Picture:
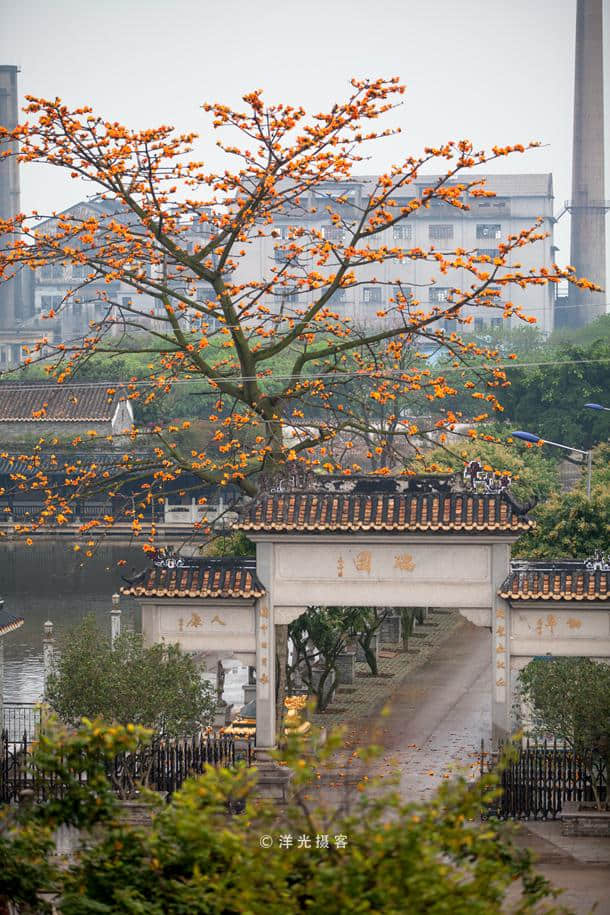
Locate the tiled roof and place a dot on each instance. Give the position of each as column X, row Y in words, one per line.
column 22, row 402
column 567, row 581
column 513, row 185
column 8, row 622
column 61, row 461
column 320, row 512
column 217, row 578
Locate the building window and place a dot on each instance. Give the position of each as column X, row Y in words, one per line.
column 204, row 294
column 333, row 233
column 51, row 301
column 402, row 292
column 371, row 295
column 440, row 231
column 289, row 294
column 489, row 230
column 479, row 324
column 489, row 252
column 339, row 297
column 127, row 301
column 496, row 323
column 402, row 232
column 439, row 295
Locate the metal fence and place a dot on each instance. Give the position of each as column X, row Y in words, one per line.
column 542, row 776
column 161, row 766
column 20, row 719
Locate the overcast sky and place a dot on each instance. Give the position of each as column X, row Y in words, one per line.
column 490, row 70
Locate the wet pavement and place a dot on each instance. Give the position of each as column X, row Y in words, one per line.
column 436, row 719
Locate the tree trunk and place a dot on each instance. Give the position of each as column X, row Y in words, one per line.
column 371, row 657
column 321, row 700
column 408, row 618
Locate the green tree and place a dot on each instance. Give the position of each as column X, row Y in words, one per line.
column 570, row 700
column 568, row 525
column 233, row 544
column 158, row 687
column 549, row 399
column 318, row 637
column 533, row 474
column 583, row 336
column 431, row 857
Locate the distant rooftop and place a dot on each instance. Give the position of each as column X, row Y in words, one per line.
column 8, row 622
column 537, row 184
column 42, row 401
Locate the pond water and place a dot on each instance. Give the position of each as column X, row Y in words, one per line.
column 48, row 581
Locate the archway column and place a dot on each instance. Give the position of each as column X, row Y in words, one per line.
column 501, row 634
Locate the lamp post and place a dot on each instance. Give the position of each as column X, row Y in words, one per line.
column 597, row 406
column 535, row 439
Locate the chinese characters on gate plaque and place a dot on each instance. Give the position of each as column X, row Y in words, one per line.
column 363, row 562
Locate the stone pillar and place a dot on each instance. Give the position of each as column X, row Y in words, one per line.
column 500, row 646
column 249, row 692
column 115, row 619
column 265, row 675
column 345, row 668
column 390, row 632
column 48, row 650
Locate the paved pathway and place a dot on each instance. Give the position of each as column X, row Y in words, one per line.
column 438, row 712
column 439, row 715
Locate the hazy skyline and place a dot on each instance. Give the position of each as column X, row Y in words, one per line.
column 490, row 71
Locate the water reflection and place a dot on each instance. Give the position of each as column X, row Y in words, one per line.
column 50, row 581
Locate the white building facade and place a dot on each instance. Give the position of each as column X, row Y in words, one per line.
column 518, row 202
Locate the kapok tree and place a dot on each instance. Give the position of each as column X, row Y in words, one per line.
column 271, row 349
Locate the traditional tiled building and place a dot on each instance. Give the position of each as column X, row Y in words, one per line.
column 31, row 408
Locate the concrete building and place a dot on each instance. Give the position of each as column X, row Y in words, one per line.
column 518, row 201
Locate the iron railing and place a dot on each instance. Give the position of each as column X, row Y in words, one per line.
column 542, row 776
column 19, row 719
column 161, row 766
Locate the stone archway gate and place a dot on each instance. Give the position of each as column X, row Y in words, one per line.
column 371, row 541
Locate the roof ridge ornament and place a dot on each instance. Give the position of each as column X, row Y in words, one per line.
column 478, row 480
column 291, row 478
column 167, row 558
column 599, row 562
